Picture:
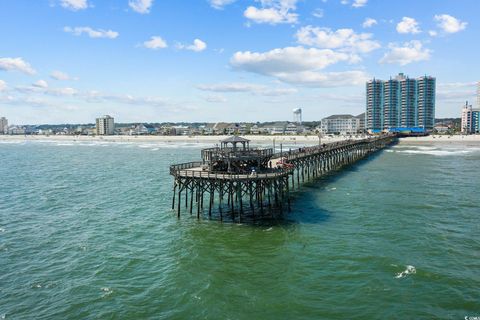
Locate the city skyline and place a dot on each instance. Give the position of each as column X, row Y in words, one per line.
column 71, row 61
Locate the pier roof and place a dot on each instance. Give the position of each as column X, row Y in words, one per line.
column 234, row 139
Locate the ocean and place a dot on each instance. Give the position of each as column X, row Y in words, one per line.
column 86, row 232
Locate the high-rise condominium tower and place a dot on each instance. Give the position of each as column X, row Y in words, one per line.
column 400, row 103
column 105, row 125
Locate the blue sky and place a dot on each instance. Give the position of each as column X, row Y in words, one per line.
column 69, row 61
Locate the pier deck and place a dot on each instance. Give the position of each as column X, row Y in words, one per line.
column 257, row 192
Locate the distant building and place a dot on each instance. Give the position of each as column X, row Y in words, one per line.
column 374, row 117
column 400, row 104
column 361, row 123
column 470, row 119
column 105, row 126
column 275, row 128
column 343, row 124
column 3, row 125
column 292, row 128
column 16, row 130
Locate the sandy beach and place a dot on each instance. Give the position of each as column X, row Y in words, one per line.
column 261, row 139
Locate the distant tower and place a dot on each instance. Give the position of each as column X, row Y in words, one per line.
column 297, row 115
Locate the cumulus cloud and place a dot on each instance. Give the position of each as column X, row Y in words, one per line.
column 92, row 33
column 298, row 65
column 449, row 24
column 197, row 46
column 255, row 89
column 369, row 22
column 273, row 12
column 359, row 3
column 155, row 43
column 74, row 5
column 412, row 51
column 289, row 59
column 346, row 39
column 3, row 85
column 408, row 25
column 16, row 64
column 141, row 6
column 220, row 4
column 40, row 84
column 59, row 75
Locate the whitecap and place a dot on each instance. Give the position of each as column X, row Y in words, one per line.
column 406, row 272
column 436, row 152
column 107, row 291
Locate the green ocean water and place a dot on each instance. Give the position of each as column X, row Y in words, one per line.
column 86, row 232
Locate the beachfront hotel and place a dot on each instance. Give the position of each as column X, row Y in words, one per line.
column 470, row 119
column 3, row 125
column 400, row 104
column 105, row 125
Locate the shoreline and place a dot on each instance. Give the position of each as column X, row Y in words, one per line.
column 287, row 139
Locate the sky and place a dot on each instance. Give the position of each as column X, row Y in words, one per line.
column 70, row 61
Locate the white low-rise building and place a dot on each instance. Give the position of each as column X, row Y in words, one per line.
column 343, row 124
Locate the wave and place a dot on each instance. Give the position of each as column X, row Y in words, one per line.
column 436, row 152
column 409, row 270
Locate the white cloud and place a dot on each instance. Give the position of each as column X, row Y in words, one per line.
column 325, row 79
column 432, row 33
column 155, row 43
column 255, row 89
column 369, row 22
column 92, row 33
column 412, row 51
column 318, row 13
column 359, row 3
column 3, row 85
column 40, row 84
column 197, row 46
column 59, row 75
column 298, row 65
column 74, row 5
column 449, row 24
column 408, row 25
column 215, row 98
column 219, row 4
column 289, row 59
column 339, row 39
column 16, row 64
column 141, row 6
column 273, row 12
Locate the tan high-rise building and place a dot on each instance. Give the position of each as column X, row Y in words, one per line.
column 3, row 125
column 105, row 126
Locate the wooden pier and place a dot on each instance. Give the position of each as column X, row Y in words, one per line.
column 237, row 182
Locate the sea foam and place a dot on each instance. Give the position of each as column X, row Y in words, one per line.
column 406, row 272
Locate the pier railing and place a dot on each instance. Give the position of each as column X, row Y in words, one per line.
column 306, row 151
column 195, row 170
column 225, row 153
